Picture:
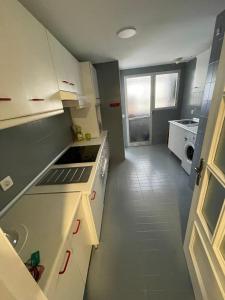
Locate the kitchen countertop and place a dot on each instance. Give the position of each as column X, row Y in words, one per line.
column 193, row 129
column 48, row 221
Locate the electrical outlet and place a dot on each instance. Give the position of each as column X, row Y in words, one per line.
column 6, row 183
column 192, row 111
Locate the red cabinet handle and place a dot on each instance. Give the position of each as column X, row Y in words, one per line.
column 78, row 226
column 5, row 99
column 93, row 195
column 65, row 81
column 37, row 99
column 68, row 252
column 72, row 83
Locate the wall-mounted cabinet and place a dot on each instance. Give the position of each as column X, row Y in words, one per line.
column 28, row 88
column 66, row 66
column 90, row 118
column 201, row 70
column 90, row 81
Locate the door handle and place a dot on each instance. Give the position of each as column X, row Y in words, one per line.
column 198, row 171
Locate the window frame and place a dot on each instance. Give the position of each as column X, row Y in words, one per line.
column 178, row 72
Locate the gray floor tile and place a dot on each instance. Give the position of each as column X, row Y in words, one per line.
column 146, row 208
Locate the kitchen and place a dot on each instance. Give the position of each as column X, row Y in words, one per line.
column 83, row 214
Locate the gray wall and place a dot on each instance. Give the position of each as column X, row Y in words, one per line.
column 27, row 149
column 109, row 89
column 208, row 91
column 187, row 108
column 160, row 118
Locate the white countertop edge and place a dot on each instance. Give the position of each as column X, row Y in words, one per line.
column 185, row 127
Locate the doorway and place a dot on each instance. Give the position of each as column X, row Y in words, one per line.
column 138, row 109
column 150, row 102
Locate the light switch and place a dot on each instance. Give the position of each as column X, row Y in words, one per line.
column 6, row 183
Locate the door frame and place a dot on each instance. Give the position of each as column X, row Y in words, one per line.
column 196, row 226
column 126, row 110
column 152, row 101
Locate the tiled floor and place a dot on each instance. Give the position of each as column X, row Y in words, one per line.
column 140, row 256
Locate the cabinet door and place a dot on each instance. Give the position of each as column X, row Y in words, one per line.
column 95, row 81
column 70, row 285
column 29, row 79
column 13, row 102
column 96, row 202
column 66, row 66
column 77, row 76
column 60, row 62
column 81, row 242
column 176, row 140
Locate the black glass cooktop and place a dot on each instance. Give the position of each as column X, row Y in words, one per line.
column 79, row 155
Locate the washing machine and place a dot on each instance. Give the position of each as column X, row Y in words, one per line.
column 189, row 148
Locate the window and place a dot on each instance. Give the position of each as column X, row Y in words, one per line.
column 166, row 86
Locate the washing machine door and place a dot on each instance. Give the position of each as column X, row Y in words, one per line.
column 189, row 151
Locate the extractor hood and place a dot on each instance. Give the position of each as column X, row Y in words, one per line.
column 70, row 99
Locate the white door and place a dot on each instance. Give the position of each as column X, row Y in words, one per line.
column 138, row 109
column 205, row 237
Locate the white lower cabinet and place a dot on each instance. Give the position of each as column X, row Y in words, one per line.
column 176, row 140
column 74, row 260
column 70, row 284
column 81, row 243
column 96, row 200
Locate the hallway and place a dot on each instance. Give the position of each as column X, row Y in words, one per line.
column 140, row 256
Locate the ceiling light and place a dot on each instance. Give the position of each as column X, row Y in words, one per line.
column 126, row 33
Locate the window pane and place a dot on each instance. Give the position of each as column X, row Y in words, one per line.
column 166, row 90
column 213, row 203
column 220, row 153
column 138, row 96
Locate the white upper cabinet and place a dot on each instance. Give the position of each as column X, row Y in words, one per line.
column 28, row 84
column 201, row 69
column 66, row 66
column 89, row 80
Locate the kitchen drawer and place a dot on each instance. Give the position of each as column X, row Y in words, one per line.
column 81, row 242
column 69, row 282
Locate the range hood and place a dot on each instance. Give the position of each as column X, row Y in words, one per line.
column 70, row 99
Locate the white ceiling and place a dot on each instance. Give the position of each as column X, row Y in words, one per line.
column 166, row 29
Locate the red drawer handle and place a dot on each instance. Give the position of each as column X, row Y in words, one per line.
column 93, row 195
column 67, row 261
column 65, row 81
column 37, row 99
column 78, row 226
column 72, row 83
column 5, row 99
